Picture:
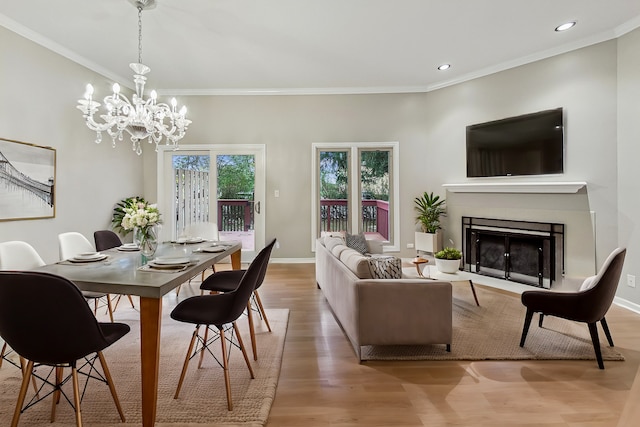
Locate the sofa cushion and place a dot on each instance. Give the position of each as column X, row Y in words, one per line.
column 338, row 249
column 357, row 242
column 339, row 234
column 385, row 267
column 356, row 262
column 332, row 242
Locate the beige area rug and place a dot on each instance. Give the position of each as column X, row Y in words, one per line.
column 202, row 400
column 493, row 330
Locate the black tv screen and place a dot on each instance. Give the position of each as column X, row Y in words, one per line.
column 531, row 144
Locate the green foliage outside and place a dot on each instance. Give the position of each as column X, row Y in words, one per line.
column 236, row 177
column 374, row 175
column 236, row 173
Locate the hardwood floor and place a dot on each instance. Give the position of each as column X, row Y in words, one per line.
column 322, row 383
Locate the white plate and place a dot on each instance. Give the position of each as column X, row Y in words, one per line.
column 129, row 246
column 88, row 255
column 177, row 267
column 100, row 257
column 171, row 261
column 190, row 240
column 214, row 249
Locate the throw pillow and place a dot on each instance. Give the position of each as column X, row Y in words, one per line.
column 385, row 267
column 588, row 283
column 357, row 242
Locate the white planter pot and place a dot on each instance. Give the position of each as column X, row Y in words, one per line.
column 428, row 242
column 448, row 265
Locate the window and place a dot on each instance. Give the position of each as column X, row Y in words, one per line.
column 354, row 188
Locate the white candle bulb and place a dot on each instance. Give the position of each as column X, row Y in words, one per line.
column 89, row 92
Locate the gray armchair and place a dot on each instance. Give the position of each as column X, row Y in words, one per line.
column 588, row 305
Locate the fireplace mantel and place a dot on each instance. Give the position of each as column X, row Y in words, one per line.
column 516, row 187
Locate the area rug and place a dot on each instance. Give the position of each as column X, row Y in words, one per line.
column 202, row 400
column 492, row 332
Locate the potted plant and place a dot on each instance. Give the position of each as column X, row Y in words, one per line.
column 429, row 208
column 448, row 260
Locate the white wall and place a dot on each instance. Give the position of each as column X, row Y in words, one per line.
column 628, row 158
column 39, row 92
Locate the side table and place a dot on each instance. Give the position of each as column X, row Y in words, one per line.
column 418, row 261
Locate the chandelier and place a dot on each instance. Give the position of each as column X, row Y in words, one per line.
column 140, row 118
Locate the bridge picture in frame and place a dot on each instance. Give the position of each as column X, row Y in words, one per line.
column 27, row 181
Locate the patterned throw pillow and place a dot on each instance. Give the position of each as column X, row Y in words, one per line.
column 385, row 267
column 357, row 242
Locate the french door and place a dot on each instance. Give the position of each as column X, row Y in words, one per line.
column 218, row 184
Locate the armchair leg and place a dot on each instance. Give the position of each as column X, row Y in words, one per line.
column 603, row 322
column 593, row 330
column 525, row 328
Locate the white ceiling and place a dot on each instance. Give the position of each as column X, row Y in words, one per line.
column 314, row 46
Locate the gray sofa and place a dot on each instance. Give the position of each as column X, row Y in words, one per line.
column 381, row 311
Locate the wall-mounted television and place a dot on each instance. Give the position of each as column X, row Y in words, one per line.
column 531, row 144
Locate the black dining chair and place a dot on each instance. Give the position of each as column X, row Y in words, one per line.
column 228, row 280
column 220, row 311
column 107, row 239
column 589, row 304
column 55, row 335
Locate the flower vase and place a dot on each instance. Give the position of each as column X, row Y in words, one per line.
column 147, row 240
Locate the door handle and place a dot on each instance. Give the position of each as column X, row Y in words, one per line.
column 257, row 207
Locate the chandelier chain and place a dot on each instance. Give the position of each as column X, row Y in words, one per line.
column 140, row 34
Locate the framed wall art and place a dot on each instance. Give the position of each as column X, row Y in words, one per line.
column 27, row 181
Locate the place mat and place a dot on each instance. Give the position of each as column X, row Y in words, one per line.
column 83, row 261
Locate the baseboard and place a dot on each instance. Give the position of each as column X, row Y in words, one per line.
column 627, row 304
column 292, row 260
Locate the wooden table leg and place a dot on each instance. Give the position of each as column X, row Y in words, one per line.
column 236, row 260
column 474, row 293
column 150, row 319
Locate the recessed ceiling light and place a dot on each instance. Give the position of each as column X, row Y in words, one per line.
column 444, row 67
column 565, row 26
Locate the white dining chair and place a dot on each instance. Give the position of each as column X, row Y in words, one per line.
column 206, row 231
column 71, row 244
column 18, row 255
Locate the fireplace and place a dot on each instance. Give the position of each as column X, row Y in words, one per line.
column 521, row 251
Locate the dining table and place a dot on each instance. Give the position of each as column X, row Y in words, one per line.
column 128, row 272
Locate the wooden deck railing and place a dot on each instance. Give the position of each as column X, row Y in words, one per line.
column 375, row 216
